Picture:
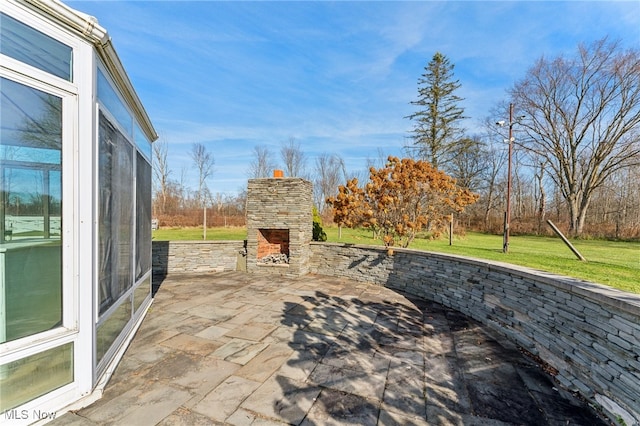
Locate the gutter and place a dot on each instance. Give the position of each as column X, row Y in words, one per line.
column 88, row 28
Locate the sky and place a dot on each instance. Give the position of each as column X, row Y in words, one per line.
column 337, row 77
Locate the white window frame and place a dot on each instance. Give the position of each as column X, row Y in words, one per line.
column 69, row 122
column 30, row 76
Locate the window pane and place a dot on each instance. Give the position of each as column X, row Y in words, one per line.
column 30, row 211
column 115, row 222
column 34, row 48
column 143, row 217
column 112, row 102
column 141, row 293
column 142, row 142
column 109, row 330
column 31, row 124
column 33, row 376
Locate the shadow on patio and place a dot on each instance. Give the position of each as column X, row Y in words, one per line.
column 236, row 348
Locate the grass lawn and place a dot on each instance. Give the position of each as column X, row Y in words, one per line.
column 195, row 234
column 612, row 263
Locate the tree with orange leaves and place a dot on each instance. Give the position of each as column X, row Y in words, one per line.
column 399, row 200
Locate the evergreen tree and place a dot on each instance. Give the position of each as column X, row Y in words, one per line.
column 435, row 132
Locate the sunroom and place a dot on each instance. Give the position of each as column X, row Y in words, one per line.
column 75, row 209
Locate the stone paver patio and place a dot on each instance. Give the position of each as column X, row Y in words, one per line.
column 243, row 349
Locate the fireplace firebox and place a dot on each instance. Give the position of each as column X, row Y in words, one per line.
column 273, row 246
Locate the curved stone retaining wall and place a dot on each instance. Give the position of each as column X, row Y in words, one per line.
column 589, row 333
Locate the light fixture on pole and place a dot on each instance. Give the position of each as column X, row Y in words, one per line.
column 507, row 215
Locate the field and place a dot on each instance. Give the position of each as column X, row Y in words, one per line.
column 612, row 263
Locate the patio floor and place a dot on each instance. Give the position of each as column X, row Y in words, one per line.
column 242, row 349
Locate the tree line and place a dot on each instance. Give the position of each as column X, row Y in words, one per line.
column 576, row 151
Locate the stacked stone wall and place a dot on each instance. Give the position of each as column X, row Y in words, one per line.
column 196, row 257
column 589, row 334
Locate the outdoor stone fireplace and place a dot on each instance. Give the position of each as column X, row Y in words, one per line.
column 279, row 225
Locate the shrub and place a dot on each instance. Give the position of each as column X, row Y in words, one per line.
column 318, row 232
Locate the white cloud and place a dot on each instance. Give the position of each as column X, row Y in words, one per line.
column 337, row 76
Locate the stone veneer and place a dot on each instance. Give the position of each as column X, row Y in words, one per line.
column 280, row 204
column 197, row 257
column 587, row 332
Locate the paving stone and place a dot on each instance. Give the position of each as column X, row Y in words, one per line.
column 326, row 327
column 72, row 419
column 356, row 382
column 137, row 407
column 212, row 333
column 215, row 314
column 283, row 399
column 192, row 344
column 401, row 356
column 357, row 358
column 223, row 400
column 405, row 397
column 193, row 325
column 144, row 340
column 245, row 355
column 180, row 306
column 231, row 347
column 173, row 366
column 445, row 387
column 242, row 318
column 266, row 362
column 390, row 418
column 339, row 408
column 183, row 416
column 206, row 374
column 111, row 406
column 299, row 365
column 269, row 317
column 132, row 372
column 242, row 417
column 252, row 331
column 437, row 415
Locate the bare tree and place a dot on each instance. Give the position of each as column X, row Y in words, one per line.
column 204, row 163
column 161, row 173
column 262, row 164
column 330, row 171
column 379, row 161
column 541, row 196
column 293, row 158
column 583, row 117
column 470, row 164
column 491, row 183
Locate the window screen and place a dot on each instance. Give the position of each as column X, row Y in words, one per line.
column 115, row 230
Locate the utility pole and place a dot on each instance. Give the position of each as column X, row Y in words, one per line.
column 507, row 221
column 507, row 214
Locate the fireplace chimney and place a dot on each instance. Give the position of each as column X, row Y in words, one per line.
column 279, row 225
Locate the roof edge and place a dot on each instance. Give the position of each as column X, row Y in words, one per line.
column 87, row 27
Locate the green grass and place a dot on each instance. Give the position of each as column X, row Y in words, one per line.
column 613, row 263
column 195, row 234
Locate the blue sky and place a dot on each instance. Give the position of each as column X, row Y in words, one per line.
column 336, row 76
